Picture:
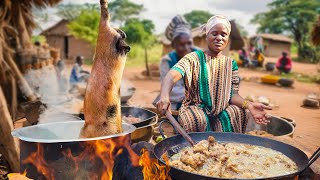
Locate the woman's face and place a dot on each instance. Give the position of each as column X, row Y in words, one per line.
column 218, row 38
column 183, row 45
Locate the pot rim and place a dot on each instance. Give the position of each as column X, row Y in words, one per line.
column 290, row 124
column 17, row 133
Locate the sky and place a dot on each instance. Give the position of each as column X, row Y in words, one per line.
column 161, row 11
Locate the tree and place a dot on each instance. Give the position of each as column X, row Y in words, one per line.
column 140, row 32
column 122, row 10
column 291, row 17
column 197, row 17
column 86, row 26
column 148, row 25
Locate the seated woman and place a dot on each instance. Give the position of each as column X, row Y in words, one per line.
column 212, row 102
column 284, row 63
column 258, row 58
column 244, row 57
column 179, row 33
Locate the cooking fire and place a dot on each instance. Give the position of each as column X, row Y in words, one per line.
column 97, row 159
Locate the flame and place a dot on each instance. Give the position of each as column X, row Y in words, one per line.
column 151, row 168
column 105, row 152
column 36, row 158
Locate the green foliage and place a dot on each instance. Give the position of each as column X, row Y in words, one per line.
column 41, row 39
column 135, row 32
column 139, row 32
column 302, row 77
column 122, row 10
column 293, row 49
column 86, row 26
column 293, row 17
column 197, row 17
column 135, row 57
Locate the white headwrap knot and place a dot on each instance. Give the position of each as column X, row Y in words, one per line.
column 214, row 20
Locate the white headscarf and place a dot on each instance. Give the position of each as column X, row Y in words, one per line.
column 214, row 20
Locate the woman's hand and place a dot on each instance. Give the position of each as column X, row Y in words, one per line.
column 163, row 105
column 258, row 112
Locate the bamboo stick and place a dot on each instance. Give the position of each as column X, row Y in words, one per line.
column 9, row 146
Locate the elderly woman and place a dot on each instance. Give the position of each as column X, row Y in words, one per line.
column 179, row 33
column 212, row 102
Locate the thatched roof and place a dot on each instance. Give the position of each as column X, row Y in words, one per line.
column 274, row 37
column 58, row 29
column 237, row 41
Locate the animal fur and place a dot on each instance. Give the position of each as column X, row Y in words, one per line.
column 102, row 108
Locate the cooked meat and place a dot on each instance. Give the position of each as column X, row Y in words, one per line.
column 232, row 160
column 130, row 119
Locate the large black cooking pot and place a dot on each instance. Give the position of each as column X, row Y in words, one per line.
column 145, row 115
column 49, row 151
column 175, row 143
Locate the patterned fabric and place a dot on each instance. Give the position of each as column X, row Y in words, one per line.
column 177, row 26
column 210, row 83
column 214, row 20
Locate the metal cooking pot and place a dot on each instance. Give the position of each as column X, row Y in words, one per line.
column 127, row 95
column 144, row 127
column 55, row 147
column 143, row 133
column 278, row 126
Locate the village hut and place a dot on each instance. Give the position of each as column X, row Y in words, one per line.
column 58, row 36
column 274, row 44
column 236, row 42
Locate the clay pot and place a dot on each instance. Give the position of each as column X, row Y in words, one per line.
column 286, row 82
column 270, row 66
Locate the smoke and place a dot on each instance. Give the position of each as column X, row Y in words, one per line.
column 126, row 88
column 53, row 92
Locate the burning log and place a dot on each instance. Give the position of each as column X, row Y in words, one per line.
column 102, row 101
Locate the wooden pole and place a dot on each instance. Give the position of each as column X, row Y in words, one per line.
column 9, row 146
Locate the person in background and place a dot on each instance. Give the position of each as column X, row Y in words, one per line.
column 244, row 57
column 62, row 77
column 284, row 63
column 259, row 44
column 77, row 73
column 179, row 33
column 258, row 58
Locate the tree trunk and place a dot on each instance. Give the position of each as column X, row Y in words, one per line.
column 146, row 61
column 9, row 146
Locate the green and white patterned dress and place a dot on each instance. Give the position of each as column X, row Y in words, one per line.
column 209, row 86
